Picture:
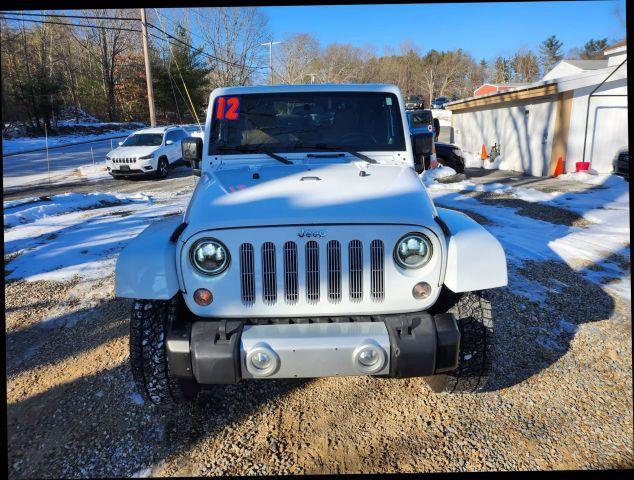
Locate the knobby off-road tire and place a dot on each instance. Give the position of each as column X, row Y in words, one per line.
column 148, row 356
column 475, row 321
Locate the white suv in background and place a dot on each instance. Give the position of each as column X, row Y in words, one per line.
column 150, row 151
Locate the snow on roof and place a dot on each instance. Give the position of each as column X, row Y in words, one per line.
column 161, row 129
column 622, row 43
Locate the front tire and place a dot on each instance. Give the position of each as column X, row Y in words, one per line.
column 148, row 355
column 475, row 321
column 162, row 169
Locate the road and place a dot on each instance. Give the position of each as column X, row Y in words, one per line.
column 29, row 169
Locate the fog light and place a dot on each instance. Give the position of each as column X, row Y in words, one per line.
column 203, row 297
column 421, row 290
column 369, row 357
column 262, row 361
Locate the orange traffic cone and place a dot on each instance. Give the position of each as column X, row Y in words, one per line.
column 559, row 168
column 484, row 155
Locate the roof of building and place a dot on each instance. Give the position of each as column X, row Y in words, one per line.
column 587, row 64
column 539, row 89
column 622, row 43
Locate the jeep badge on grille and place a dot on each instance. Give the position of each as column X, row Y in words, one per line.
column 311, row 233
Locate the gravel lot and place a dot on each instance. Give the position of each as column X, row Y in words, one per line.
column 561, row 396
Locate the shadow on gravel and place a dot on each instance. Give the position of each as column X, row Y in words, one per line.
column 530, row 335
column 99, row 426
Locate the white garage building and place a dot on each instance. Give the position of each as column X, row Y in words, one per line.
column 574, row 113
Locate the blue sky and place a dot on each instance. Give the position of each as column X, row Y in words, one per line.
column 483, row 29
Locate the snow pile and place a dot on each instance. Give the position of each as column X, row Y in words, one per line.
column 499, row 163
column 443, row 116
column 93, row 172
column 472, row 160
column 600, row 251
column 430, row 176
column 592, row 178
column 79, row 234
column 25, row 144
column 38, row 208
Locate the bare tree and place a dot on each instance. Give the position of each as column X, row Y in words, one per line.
column 525, row 66
column 297, row 57
column 106, row 42
column 234, row 36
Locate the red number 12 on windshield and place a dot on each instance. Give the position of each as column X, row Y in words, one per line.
column 227, row 108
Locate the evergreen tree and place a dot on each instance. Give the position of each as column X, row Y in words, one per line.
column 502, row 70
column 550, row 50
column 178, row 67
column 593, row 49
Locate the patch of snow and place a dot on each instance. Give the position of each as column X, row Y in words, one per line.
column 591, row 178
column 430, row 176
column 472, row 160
column 24, row 144
column 20, row 214
column 93, row 172
column 604, row 243
column 81, row 242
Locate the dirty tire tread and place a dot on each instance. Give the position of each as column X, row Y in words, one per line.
column 148, row 357
column 475, row 321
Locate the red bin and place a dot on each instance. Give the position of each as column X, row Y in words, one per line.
column 582, row 166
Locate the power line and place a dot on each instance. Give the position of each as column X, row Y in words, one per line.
column 198, row 50
column 72, row 24
column 61, row 15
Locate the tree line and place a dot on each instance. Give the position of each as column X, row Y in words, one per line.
column 61, row 67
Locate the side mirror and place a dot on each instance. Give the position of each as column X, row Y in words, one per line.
column 419, row 156
column 169, row 142
column 120, row 143
column 192, row 150
column 436, row 128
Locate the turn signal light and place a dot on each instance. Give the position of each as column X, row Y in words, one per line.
column 203, row 297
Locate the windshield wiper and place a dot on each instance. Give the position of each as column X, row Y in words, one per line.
column 322, row 146
column 277, row 157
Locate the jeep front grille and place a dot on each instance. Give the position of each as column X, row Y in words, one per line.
column 123, row 160
column 269, row 289
column 290, row 272
column 312, row 272
column 377, row 277
column 247, row 274
column 308, row 268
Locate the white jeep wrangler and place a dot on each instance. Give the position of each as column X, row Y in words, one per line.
column 310, row 248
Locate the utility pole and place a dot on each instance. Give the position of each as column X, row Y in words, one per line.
column 148, row 71
column 270, row 45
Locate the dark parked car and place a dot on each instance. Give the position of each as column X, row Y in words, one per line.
column 421, row 128
column 450, row 155
column 414, row 101
column 439, row 102
column 622, row 165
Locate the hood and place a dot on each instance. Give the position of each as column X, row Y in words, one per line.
column 131, row 151
column 349, row 193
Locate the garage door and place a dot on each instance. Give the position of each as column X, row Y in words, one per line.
column 609, row 137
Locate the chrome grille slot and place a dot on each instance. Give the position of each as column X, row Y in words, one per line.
column 269, row 287
column 290, row 272
column 334, row 271
column 312, row 272
column 355, row 261
column 247, row 274
column 377, row 271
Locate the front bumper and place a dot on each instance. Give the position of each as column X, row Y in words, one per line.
column 406, row 345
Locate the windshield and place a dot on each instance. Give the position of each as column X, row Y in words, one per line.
column 441, row 99
column 306, row 121
column 413, row 99
column 144, row 140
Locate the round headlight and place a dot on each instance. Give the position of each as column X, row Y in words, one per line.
column 412, row 251
column 209, row 256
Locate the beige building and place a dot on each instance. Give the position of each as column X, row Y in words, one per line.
column 576, row 114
